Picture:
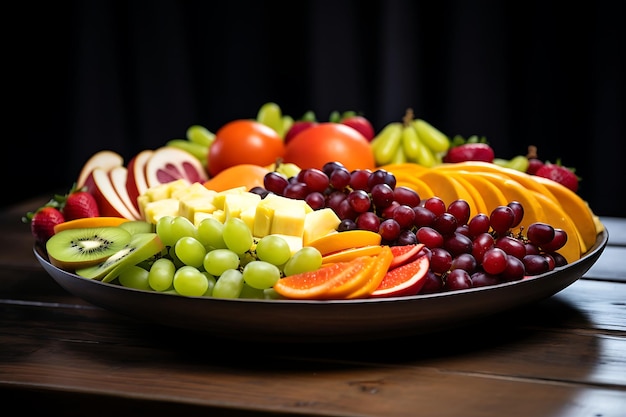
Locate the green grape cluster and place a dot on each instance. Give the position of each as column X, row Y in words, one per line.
column 215, row 259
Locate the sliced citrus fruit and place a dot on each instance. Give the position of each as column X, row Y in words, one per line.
column 316, row 284
column 479, row 203
column 87, row 222
column 404, row 254
column 375, row 274
column 248, row 175
column 404, row 280
column 492, row 195
column 350, row 254
column 349, row 239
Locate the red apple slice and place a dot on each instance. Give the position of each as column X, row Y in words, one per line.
column 99, row 184
column 118, row 176
column 136, row 183
column 103, row 159
column 168, row 164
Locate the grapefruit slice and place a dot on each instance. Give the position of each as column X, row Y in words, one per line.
column 404, row 254
column 404, row 280
column 168, row 164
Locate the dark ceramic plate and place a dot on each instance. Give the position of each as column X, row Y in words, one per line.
column 323, row 321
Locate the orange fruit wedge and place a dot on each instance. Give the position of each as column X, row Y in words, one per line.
column 340, row 280
column 248, row 175
column 350, row 254
column 349, row 239
column 102, row 221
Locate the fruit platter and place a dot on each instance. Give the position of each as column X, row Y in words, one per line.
column 275, row 229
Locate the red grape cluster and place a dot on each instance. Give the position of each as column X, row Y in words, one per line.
column 464, row 252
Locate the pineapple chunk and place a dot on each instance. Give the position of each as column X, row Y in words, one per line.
column 193, row 191
column 319, row 223
column 190, row 206
column 220, row 197
column 234, row 203
column 289, row 221
column 154, row 210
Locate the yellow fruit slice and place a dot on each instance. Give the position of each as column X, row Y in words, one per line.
column 491, row 194
column 514, row 191
column 404, row 168
column 447, row 188
column 341, row 241
column 479, row 166
column 103, row 221
column 558, row 218
column 479, row 203
column 576, row 208
column 350, row 254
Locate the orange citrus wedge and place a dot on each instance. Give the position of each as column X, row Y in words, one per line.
column 349, row 239
column 103, row 221
column 248, row 175
column 350, row 254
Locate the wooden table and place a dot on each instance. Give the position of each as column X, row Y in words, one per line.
column 59, row 355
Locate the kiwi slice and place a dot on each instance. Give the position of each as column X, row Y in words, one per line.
column 141, row 247
column 72, row 249
column 138, row 226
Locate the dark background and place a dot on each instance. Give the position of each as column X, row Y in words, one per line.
column 129, row 75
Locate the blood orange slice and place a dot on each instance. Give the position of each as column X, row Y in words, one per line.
column 404, row 254
column 404, row 280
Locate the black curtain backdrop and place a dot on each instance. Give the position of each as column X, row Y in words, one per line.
column 130, row 75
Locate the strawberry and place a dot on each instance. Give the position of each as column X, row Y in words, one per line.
column 473, row 149
column 559, row 173
column 79, row 204
column 43, row 220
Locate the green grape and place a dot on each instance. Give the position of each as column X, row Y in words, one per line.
column 261, row 274
column 306, row 259
column 237, row 235
column 161, row 275
column 252, row 293
column 164, row 230
column 190, row 251
column 200, row 135
column 211, row 280
column 134, row 276
column 189, row 281
column 171, row 253
column 210, row 233
column 273, row 249
column 219, row 260
column 271, row 294
column 182, row 227
column 229, row 284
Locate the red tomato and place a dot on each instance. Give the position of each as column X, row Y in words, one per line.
column 244, row 141
column 330, row 142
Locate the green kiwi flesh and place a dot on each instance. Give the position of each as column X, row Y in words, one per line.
column 141, row 247
column 80, row 248
column 138, row 226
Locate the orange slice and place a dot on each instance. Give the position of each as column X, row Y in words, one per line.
column 490, row 193
column 349, row 239
column 248, row 175
column 350, row 254
column 447, row 188
column 84, row 222
column 375, row 275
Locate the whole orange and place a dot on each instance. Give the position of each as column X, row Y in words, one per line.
column 330, row 142
column 244, row 141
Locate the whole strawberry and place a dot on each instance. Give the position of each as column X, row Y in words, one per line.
column 79, row 204
column 42, row 222
column 474, row 149
column 559, row 173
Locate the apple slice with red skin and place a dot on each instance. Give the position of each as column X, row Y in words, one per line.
column 103, row 159
column 118, row 176
column 404, row 280
column 136, row 183
column 168, row 164
column 99, row 184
